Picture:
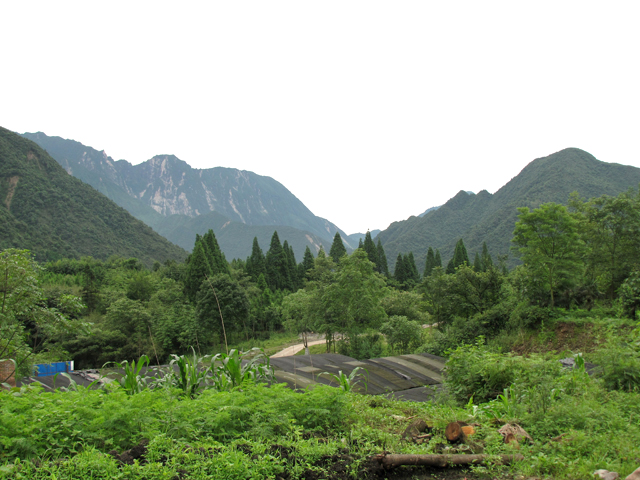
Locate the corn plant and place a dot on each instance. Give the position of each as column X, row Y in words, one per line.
column 347, row 382
column 132, row 381
column 230, row 373
column 192, row 373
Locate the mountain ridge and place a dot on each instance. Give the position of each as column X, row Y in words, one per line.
column 491, row 217
column 55, row 215
column 165, row 185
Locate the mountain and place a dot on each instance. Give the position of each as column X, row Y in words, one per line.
column 484, row 217
column 53, row 214
column 165, row 186
column 429, row 210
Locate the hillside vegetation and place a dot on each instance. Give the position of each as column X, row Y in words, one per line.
column 55, row 215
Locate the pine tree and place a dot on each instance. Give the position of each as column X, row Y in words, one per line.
column 438, row 259
column 217, row 261
column 197, row 270
column 487, row 261
column 370, row 248
column 400, row 272
column 256, row 262
column 460, row 257
column 410, row 266
column 477, row 263
column 383, row 265
column 292, row 266
column 337, row 248
column 276, row 265
column 307, row 263
column 430, row 263
column 360, row 244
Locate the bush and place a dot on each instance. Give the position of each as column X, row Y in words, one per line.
column 474, row 371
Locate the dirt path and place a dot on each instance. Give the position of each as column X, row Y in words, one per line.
column 293, row 349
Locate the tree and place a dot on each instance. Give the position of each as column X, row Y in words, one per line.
column 383, row 265
column 460, row 257
column 400, row 272
column 216, row 258
column 256, row 262
column 487, row 261
column 370, row 248
column 610, row 226
column 27, row 324
column 277, row 266
column 438, row 259
column 221, row 294
column 402, row 334
column 307, row 262
column 354, row 298
column 548, row 242
column 430, row 263
column 198, row 268
column 337, row 250
column 477, row 263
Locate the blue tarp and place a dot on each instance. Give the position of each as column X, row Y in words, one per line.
column 47, row 369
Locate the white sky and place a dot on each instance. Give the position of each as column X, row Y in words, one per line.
column 367, row 111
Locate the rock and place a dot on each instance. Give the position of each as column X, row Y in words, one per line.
column 635, row 475
column 606, row 474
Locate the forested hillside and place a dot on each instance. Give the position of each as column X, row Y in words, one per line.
column 51, row 213
column 491, row 218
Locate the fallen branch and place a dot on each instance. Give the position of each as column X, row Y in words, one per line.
column 397, row 460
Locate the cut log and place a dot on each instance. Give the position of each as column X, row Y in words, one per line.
column 453, row 432
column 397, row 460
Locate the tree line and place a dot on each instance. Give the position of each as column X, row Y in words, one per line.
column 583, row 255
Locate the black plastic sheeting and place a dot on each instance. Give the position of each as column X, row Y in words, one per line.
column 415, row 375
column 405, row 377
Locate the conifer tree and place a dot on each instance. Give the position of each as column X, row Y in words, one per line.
column 276, row 265
column 460, row 257
column 360, row 244
column 477, row 263
column 438, row 259
column 197, row 270
column 292, row 266
column 487, row 261
column 370, row 248
column 430, row 263
column 307, row 263
column 217, row 260
column 410, row 266
column 383, row 266
column 337, row 249
column 256, row 262
column 400, row 272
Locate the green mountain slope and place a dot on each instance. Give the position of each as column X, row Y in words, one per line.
column 56, row 215
column 491, row 218
column 168, row 186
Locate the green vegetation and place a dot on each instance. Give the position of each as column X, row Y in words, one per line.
column 575, row 295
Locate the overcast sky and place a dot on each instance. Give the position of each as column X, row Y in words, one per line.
column 367, row 111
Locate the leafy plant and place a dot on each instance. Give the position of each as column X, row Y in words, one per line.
column 255, row 369
column 192, row 372
column 132, row 381
column 347, row 382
